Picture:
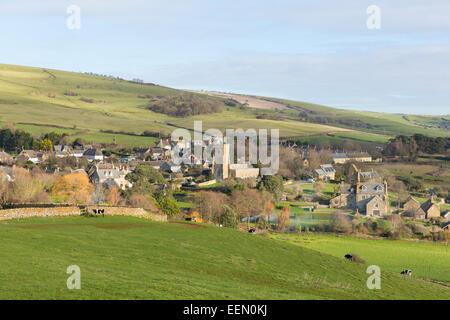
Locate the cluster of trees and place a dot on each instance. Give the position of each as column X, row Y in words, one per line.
column 292, row 163
column 227, row 209
column 244, row 201
column 27, row 186
column 393, row 227
column 185, row 105
column 147, row 191
column 34, row 186
column 14, row 140
column 409, row 147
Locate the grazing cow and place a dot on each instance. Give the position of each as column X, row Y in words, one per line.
column 348, row 257
column 406, row 272
column 103, row 212
column 95, row 211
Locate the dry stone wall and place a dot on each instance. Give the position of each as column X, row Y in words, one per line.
column 21, row 213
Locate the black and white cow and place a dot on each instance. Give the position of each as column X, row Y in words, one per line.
column 406, row 272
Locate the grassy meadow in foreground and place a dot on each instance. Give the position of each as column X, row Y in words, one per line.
column 426, row 260
column 130, row 258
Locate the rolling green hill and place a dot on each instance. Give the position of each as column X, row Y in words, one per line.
column 130, row 258
column 42, row 100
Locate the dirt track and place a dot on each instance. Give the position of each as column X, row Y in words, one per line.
column 252, row 102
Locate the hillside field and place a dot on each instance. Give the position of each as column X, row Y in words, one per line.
column 37, row 100
column 130, row 258
column 427, row 260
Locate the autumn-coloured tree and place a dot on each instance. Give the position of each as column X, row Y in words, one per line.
column 46, row 145
column 114, row 196
column 283, row 217
column 268, row 209
column 74, row 188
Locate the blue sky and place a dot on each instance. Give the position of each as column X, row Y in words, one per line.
column 315, row 51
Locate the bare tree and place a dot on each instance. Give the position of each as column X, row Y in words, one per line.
column 210, row 204
column 247, row 203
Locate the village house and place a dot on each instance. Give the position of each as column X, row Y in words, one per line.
column 446, row 226
column 164, row 143
column 61, row 148
column 6, row 174
column 359, row 156
column 243, row 171
column 370, row 199
column 412, row 208
column 354, row 175
column 93, row 154
column 431, row 208
column 156, row 153
column 325, row 173
column 168, row 166
column 339, row 158
column 156, row 164
column 342, row 158
column 143, row 153
column 6, row 158
column 411, row 204
column 28, row 155
column 370, row 176
column 61, row 151
column 110, row 175
column 77, row 153
column 366, row 193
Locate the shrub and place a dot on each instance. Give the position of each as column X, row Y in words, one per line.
column 142, row 201
column 229, row 218
column 87, row 100
column 356, row 258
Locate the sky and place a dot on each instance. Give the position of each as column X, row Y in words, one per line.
column 316, row 51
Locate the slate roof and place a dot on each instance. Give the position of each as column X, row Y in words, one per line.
column 427, row 205
column 371, row 188
column 339, row 156
column 92, row 152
